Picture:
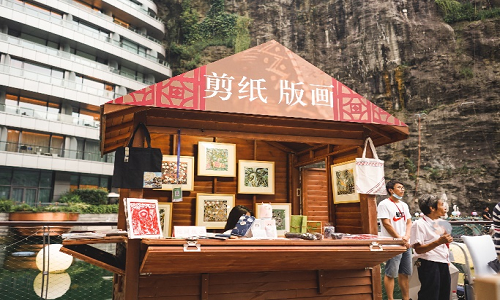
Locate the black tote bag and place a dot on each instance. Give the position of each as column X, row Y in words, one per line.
column 132, row 162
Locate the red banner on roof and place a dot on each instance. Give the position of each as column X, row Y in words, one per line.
column 268, row 79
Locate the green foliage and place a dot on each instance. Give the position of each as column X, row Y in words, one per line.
column 85, row 201
column 410, row 166
column 6, row 205
column 217, row 28
column 24, row 207
column 83, row 208
column 466, row 72
column 89, row 196
column 242, row 41
column 455, row 11
column 70, row 197
column 434, row 173
column 101, row 209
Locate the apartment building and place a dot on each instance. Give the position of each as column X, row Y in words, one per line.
column 59, row 61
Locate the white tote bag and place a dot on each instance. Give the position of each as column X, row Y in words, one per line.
column 370, row 173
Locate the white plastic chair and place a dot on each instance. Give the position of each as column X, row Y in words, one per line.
column 482, row 251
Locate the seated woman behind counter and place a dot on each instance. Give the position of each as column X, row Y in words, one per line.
column 234, row 216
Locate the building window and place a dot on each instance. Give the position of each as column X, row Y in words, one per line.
column 26, row 186
column 81, row 181
column 32, row 107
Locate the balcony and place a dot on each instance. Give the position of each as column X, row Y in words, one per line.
column 107, row 18
column 57, row 87
column 55, row 152
column 69, row 59
column 75, row 28
column 44, row 115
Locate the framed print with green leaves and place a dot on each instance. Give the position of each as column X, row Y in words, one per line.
column 216, row 159
column 343, row 182
column 255, row 177
column 282, row 213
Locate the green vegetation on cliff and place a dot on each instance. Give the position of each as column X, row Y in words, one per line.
column 217, row 28
column 455, row 11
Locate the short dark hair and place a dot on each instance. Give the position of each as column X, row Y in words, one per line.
column 390, row 185
column 425, row 202
column 235, row 214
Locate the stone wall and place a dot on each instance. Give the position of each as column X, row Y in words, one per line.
column 402, row 56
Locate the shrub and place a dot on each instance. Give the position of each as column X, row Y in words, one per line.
column 23, row 207
column 70, row 197
column 455, row 11
column 89, row 196
column 6, row 205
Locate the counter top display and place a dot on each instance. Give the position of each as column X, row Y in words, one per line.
column 179, row 256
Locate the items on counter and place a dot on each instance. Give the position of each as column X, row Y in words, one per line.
column 304, row 236
column 298, row 224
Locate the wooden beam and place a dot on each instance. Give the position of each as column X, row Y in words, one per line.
column 259, row 136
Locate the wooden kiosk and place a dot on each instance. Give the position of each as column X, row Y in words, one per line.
column 276, row 107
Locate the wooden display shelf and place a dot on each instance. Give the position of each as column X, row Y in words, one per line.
column 80, row 249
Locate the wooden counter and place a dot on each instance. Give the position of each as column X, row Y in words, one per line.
column 213, row 256
column 244, row 269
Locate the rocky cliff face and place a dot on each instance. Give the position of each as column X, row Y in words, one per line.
column 442, row 80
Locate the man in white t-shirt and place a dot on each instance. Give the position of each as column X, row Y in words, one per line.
column 395, row 219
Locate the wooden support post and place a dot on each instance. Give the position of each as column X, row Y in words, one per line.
column 368, row 206
column 204, row 286
column 321, row 281
column 331, row 206
column 132, row 265
column 376, row 283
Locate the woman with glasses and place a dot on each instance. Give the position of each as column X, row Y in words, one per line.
column 430, row 241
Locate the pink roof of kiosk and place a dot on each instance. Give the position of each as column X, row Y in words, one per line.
column 266, row 80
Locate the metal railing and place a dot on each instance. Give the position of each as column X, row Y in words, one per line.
column 45, row 115
column 110, row 19
column 69, row 56
column 32, row 267
column 58, row 82
column 55, row 152
column 76, row 27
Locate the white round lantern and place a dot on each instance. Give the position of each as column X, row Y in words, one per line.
column 55, row 261
column 58, row 284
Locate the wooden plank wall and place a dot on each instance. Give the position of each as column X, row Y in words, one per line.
column 315, row 195
column 323, row 285
column 184, row 213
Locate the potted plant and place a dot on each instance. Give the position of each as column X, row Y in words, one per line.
column 54, row 213
column 70, row 205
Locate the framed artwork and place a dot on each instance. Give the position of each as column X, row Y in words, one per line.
column 165, row 210
column 169, row 172
column 343, row 183
column 143, row 218
column 255, row 177
column 152, row 180
column 282, row 215
column 212, row 210
column 314, row 227
column 216, row 159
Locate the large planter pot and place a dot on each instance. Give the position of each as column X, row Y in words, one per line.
column 42, row 217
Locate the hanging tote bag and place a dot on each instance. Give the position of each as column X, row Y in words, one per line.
column 369, row 173
column 132, row 162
